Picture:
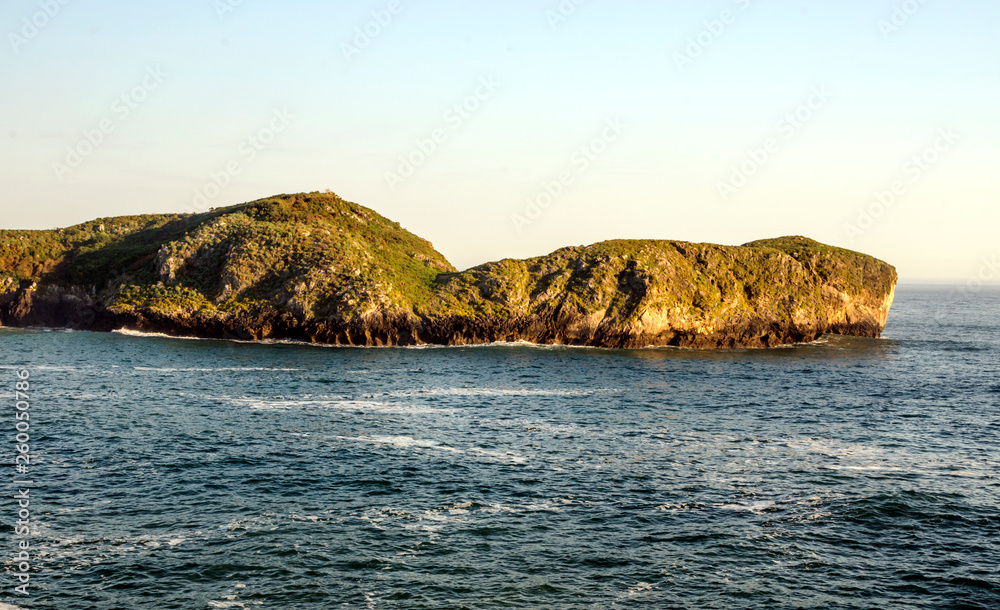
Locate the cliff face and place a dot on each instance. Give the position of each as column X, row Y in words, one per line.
column 641, row 293
column 316, row 268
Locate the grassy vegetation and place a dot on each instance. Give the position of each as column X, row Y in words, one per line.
column 623, row 279
column 161, row 298
column 848, row 271
column 89, row 253
column 311, row 253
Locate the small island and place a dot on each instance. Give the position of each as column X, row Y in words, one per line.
column 313, row 267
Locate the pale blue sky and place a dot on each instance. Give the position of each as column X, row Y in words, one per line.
column 661, row 174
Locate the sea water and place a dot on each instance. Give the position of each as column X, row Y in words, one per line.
column 848, row 473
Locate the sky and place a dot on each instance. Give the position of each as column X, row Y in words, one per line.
column 500, row 130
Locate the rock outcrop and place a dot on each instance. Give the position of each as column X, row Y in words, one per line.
column 315, row 268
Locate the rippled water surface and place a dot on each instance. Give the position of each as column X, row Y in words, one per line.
column 200, row 474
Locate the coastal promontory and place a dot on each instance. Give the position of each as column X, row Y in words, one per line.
column 316, row 268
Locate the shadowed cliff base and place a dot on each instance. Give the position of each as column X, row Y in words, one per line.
column 316, row 268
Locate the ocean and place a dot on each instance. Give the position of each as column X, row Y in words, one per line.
column 849, row 473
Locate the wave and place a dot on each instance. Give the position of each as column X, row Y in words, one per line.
column 638, row 590
column 825, row 340
column 230, row 369
column 434, row 519
column 407, row 442
column 138, row 333
column 127, row 332
column 507, row 344
column 507, row 456
column 755, row 507
column 494, row 392
column 84, row 551
column 835, row 448
column 393, row 403
column 231, row 599
column 344, row 404
column 400, row 441
column 300, row 343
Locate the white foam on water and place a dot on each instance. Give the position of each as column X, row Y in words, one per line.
column 380, row 371
column 534, row 425
column 280, row 405
column 850, row 456
column 499, row 344
column 404, row 442
column 423, row 346
column 383, row 518
column 493, row 392
column 835, row 448
column 505, row 456
column 76, row 509
column 339, row 404
column 550, row 506
column 964, row 474
column 148, row 335
column 4, row 606
column 230, row 601
column 555, row 505
column 232, row 369
column 84, row 396
column 434, row 521
column 460, row 508
column 680, row 508
column 83, row 552
column 814, row 506
column 260, row 523
column 637, row 590
column 755, row 507
column 871, row 468
column 403, row 409
column 854, row 457
column 138, row 333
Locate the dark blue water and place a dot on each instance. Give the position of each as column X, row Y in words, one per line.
column 198, row 474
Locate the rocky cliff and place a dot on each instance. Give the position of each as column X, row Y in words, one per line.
column 316, row 268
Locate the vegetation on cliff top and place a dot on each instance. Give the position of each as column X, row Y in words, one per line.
column 622, row 279
column 309, row 253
